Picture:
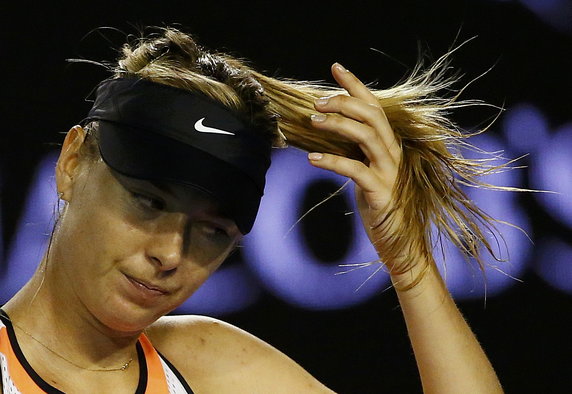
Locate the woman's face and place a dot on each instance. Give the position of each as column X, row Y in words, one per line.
column 133, row 250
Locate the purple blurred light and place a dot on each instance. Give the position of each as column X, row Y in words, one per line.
column 556, row 13
column 525, row 128
column 283, row 261
column 230, row 289
column 555, row 264
column 465, row 280
column 551, row 170
column 29, row 244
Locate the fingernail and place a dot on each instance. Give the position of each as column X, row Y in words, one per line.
column 318, row 117
column 340, row 67
column 322, row 100
column 315, row 156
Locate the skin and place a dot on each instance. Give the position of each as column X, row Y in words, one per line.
column 108, row 235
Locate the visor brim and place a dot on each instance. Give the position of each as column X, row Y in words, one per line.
column 150, row 156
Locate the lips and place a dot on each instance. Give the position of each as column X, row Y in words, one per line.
column 148, row 290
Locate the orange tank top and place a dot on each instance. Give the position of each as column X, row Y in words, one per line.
column 156, row 374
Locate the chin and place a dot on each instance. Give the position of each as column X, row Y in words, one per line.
column 127, row 318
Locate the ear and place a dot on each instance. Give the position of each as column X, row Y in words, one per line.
column 68, row 162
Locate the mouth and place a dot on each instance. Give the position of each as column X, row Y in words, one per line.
column 146, row 288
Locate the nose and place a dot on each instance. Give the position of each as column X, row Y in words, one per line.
column 166, row 242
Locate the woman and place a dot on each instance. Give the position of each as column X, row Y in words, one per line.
column 162, row 180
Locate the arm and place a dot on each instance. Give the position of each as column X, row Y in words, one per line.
column 449, row 358
column 216, row 357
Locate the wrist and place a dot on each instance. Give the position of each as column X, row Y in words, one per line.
column 417, row 274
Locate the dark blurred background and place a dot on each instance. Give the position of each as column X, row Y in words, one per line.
column 524, row 327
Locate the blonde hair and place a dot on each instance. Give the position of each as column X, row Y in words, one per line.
column 432, row 170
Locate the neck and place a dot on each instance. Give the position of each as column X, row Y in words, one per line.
column 67, row 326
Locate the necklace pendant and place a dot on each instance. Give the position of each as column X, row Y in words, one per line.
column 126, row 365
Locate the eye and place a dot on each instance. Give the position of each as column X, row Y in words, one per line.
column 148, row 202
column 215, row 231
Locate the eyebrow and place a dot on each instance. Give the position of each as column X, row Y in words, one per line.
column 216, row 208
column 163, row 186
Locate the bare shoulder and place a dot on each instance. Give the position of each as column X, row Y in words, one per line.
column 218, row 357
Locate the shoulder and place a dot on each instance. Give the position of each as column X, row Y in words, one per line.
column 217, row 357
column 204, row 340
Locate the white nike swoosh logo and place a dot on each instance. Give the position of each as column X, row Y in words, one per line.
column 200, row 127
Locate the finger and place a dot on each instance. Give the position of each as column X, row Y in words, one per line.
column 362, row 175
column 347, row 80
column 357, row 88
column 365, row 136
column 372, row 115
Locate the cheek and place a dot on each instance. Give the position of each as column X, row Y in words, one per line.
column 98, row 238
column 194, row 276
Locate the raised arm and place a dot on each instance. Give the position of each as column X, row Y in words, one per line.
column 449, row 358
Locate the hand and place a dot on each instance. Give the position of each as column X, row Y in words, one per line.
column 443, row 343
column 359, row 118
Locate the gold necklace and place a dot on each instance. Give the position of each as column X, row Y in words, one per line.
column 122, row 368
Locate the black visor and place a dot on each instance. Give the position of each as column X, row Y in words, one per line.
column 153, row 131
